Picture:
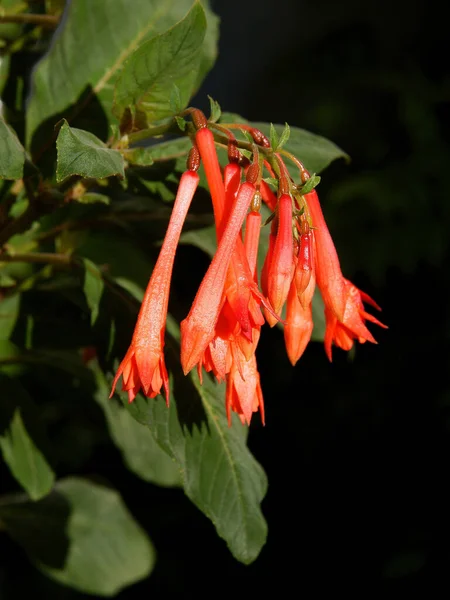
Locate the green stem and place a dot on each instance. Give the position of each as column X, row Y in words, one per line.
column 151, row 132
column 38, row 257
column 49, row 21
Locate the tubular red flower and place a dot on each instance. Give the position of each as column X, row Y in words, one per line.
column 305, row 262
column 207, row 148
column 352, row 326
column 298, row 326
column 328, row 270
column 197, row 329
column 143, row 365
column 281, row 266
column 243, row 395
column 344, row 309
column 251, row 241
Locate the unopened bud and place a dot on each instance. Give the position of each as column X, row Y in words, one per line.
column 259, row 138
column 199, row 119
column 253, row 173
column 193, row 160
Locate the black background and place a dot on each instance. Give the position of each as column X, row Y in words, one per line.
column 357, row 452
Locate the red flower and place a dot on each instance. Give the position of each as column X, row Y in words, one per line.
column 143, row 366
column 352, row 325
column 281, row 266
column 198, row 328
column 328, row 270
column 299, row 324
column 344, row 309
column 244, row 394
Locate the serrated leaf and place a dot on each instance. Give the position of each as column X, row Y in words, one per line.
column 272, row 181
column 284, row 138
column 181, row 122
column 310, row 184
column 273, row 136
column 142, row 455
column 175, row 100
column 219, row 474
column 24, row 459
column 12, row 154
column 172, row 58
column 92, row 45
column 93, row 287
column 315, row 151
column 83, row 536
column 215, row 110
column 82, row 153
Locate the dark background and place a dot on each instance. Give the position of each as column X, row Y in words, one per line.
column 357, row 452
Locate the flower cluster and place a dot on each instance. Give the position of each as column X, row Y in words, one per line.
column 221, row 332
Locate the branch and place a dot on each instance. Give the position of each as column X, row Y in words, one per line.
column 48, row 258
column 48, row 21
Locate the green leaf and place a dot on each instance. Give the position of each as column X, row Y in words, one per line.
column 25, row 460
column 12, row 154
column 273, row 136
column 181, row 122
column 82, row 153
column 219, row 474
column 204, row 238
column 93, row 198
column 142, row 455
column 284, row 136
column 82, row 536
column 310, row 184
column 146, row 82
column 315, row 151
column 92, row 287
column 91, row 45
column 9, row 312
column 175, row 100
column 171, row 149
column 318, row 314
column 141, row 157
column 4, row 70
column 215, row 110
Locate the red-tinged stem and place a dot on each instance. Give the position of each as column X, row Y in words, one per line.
column 197, row 330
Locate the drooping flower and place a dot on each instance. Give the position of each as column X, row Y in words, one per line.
column 298, row 326
column 197, row 329
column 243, row 394
column 352, row 326
column 281, row 266
column 143, row 366
column 328, row 269
column 344, row 309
